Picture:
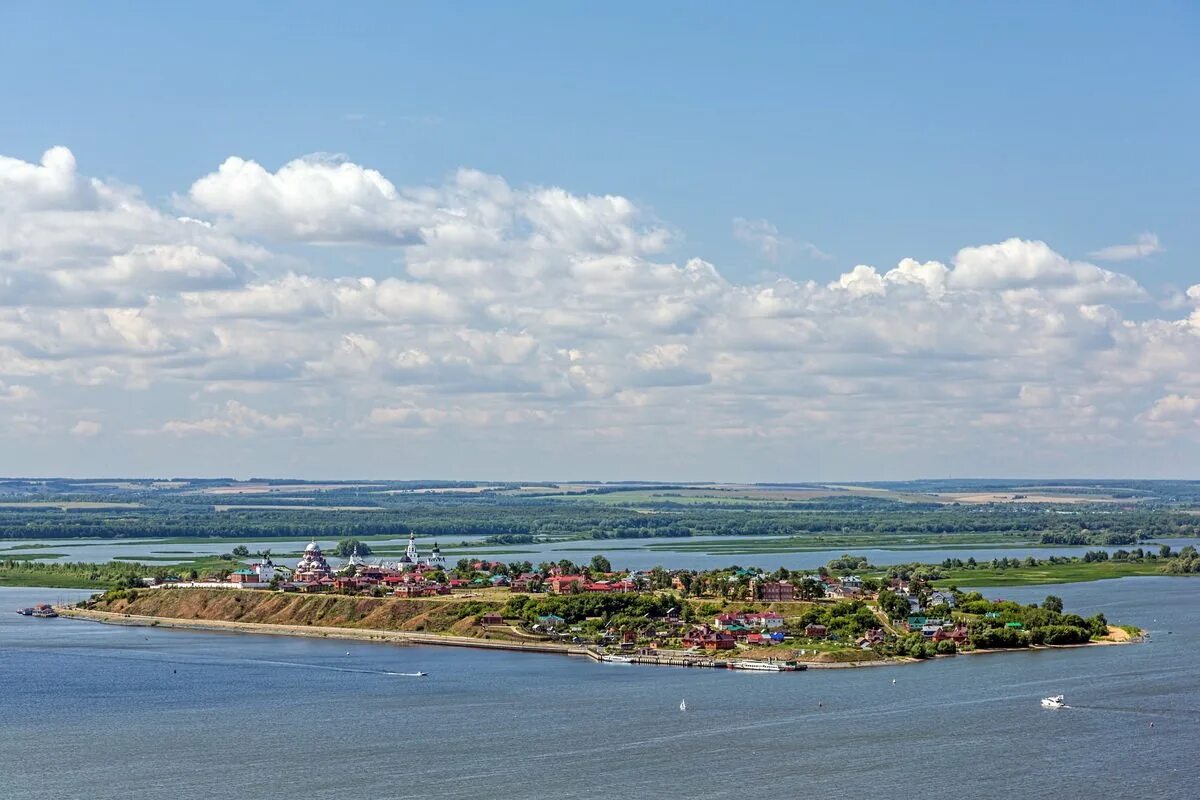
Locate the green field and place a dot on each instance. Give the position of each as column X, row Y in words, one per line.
column 1074, row 572
column 740, row 545
column 45, row 581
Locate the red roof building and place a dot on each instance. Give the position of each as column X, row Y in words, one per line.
column 562, row 584
column 778, row 591
column 707, row 638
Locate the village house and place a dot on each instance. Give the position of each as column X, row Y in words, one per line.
column 814, row 631
column 564, row 584
column 524, row 582
column 871, row 638
column 707, row 638
column 491, row 618
column 778, row 592
column 724, row 622
column 958, row 634
column 835, row 590
column 770, row 620
column 942, row 599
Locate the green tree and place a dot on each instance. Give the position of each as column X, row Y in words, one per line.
column 601, row 564
column 241, row 551
column 345, row 548
column 1053, row 603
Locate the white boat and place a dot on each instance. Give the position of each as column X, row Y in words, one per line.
column 683, row 705
column 1053, row 702
column 617, row 659
column 757, row 666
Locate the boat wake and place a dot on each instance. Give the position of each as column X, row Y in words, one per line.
column 327, row 668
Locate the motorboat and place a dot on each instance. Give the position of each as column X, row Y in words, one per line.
column 1053, row 702
column 617, row 659
column 25, row 612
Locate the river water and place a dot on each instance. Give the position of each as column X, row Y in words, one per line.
column 96, row 711
column 623, row 553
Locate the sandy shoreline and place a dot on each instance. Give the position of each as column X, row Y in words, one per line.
column 318, row 632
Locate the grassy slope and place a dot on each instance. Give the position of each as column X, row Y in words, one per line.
column 394, row 614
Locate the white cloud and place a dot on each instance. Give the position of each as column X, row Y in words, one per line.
column 548, row 317
column 1020, row 264
column 317, row 198
column 765, row 237
column 87, row 428
column 235, row 419
column 1144, row 246
column 326, row 199
column 53, row 183
column 15, row 392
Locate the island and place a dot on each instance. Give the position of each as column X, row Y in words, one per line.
column 736, row 618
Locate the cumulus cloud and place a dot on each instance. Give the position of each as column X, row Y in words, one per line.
column 15, row 392
column 1144, row 246
column 87, row 428
column 1172, row 415
column 552, row 317
column 68, row 240
column 1021, row 264
column 327, row 199
column 318, row 198
column 53, row 183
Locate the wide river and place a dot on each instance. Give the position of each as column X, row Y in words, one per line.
column 623, row 553
column 96, row 711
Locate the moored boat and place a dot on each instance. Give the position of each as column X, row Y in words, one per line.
column 25, row 612
column 756, row 666
column 44, row 611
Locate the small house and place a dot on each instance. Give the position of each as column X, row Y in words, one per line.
column 814, row 631
column 551, row 621
column 706, row 638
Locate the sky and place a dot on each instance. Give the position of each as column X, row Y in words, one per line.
column 534, row 240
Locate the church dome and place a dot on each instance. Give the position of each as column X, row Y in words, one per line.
column 313, row 547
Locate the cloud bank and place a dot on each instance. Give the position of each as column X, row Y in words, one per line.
column 533, row 319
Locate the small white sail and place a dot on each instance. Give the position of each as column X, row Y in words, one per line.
column 683, row 705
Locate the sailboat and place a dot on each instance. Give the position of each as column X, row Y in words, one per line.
column 683, row 705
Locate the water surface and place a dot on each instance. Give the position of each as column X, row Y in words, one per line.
column 102, row 712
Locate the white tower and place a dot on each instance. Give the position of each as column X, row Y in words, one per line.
column 436, row 559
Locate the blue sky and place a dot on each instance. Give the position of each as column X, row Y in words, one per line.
column 874, row 135
column 837, row 137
